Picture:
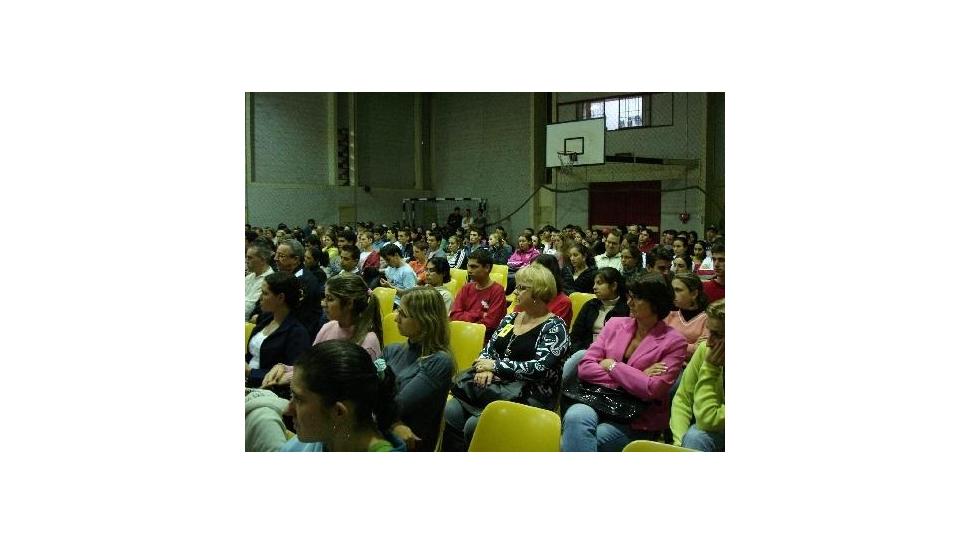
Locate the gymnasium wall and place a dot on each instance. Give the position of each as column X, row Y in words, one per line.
column 291, row 173
column 481, row 146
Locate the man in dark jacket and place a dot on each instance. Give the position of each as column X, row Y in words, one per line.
column 289, row 258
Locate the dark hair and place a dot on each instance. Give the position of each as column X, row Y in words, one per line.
column 610, row 275
column 251, row 236
column 442, row 267
column 421, row 245
column 388, row 250
column 286, row 284
column 652, row 287
column 659, row 252
column 322, row 258
column 717, row 247
column 482, row 257
column 693, row 283
column 312, row 240
column 476, row 230
column 354, row 251
column 635, row 254
column 338, row 370
column 347, row 235
column 550, row 262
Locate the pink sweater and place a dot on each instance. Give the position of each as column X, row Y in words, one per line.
column 662, row 343
column 694, row 331
column 520, row 259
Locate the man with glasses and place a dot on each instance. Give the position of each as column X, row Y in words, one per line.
column 611, row 257
column 289, row 258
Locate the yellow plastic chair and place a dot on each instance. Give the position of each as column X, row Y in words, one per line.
column 249, row 333
column 498, row 278
column 391, row 333
column 460, row 277
column 512, row 427
column 578, row 299
column 504, row 271
column 466, row 342
column 386, row 298
column 510, row 301
column 452, row 287
column 642, row 445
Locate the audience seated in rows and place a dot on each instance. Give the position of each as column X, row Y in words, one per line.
column 481, row 300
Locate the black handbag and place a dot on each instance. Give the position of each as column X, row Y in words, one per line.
column 475, row 398
column 611, row 404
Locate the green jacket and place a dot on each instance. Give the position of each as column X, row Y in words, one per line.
column 700, row 397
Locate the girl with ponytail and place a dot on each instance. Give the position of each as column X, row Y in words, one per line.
column 342, row 401
column 355, row 315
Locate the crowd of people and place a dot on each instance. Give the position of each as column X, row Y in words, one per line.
column 642, row 359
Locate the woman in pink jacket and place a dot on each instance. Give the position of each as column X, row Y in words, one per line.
column 522, row 256
column 641, row 356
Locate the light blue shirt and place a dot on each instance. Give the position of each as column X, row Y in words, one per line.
column 402, row 277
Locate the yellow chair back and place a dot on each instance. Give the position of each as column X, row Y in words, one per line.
column 391, row 333
column 452, row 287
column 504, row 271
column 643, row 445
column 466, row 342
column 512, row 427
column 578, row 299
column 385, row 296
column 459, row 277
column 249, row 333
column 499, row 279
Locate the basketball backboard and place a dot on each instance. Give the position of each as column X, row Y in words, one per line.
column 586, row 139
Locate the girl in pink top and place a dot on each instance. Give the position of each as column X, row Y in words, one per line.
column 689, row 317
column 523, row 255
column 355, row 315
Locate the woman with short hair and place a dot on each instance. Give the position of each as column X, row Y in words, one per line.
column 639, row 356
column 521, row 362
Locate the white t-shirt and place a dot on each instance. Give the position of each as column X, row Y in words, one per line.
column 255, row 343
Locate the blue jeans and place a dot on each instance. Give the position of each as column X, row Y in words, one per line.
column 459, row 427
column 706, row 441
column 582, row 431
column 570, row 369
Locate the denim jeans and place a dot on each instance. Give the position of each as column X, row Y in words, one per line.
column 706, row 441
column 570, row 369
column 459, row 427
column 582, row 431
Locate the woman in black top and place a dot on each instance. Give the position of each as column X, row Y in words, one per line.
column 610, row 289
column 578, row 274
column 278, row 337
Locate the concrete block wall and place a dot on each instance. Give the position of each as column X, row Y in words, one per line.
column 481, row 148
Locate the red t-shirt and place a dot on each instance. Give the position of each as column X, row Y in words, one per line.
column 714, row 290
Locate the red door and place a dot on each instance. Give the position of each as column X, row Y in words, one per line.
column 624, row 203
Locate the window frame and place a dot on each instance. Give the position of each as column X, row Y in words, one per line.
column 583, row 109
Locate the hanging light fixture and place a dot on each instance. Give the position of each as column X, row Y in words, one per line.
column 685, row 215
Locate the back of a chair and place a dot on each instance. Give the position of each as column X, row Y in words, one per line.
column 467, row 340
column 512, row 427
column 249, row 333
column 391, row 333
column 578, row 299
column 386, row 298
column 499, row 279
column 642, row 445
column 459, row 276
column 504, row 271
column 452, row 287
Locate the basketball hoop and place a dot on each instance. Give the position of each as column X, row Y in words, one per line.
column 566, row 161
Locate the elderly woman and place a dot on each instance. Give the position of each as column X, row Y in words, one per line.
column 279, row 337
column 521, row 362
column 639, row 356
column 423, row 367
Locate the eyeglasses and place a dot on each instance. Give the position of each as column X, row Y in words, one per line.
column 522, row 288
column 429, row 271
